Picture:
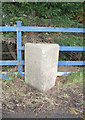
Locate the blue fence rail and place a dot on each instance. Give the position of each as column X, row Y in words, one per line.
column 19, row 29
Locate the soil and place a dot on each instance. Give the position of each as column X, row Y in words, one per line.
column 22, row 101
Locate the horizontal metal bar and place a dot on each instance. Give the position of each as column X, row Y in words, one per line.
column 23, row 74
column 72, row 48
column 42, row 29
column 63, row 73
column 9, row 62
column 71, row 63
column 12, row 62
column 52, row 29
column 4, row 29
column 58, row 73
column 59, row 62
column 4, row 73
column 64, row 48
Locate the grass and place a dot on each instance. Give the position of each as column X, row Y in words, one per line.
column 12, row 76
column 70, row 80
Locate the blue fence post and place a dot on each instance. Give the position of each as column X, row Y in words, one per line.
column 19, row 45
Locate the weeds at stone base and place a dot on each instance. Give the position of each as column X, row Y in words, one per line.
column 19, row 97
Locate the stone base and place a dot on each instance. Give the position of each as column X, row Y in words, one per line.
column 41, row 62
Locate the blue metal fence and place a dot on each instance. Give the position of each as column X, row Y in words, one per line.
column 19, row 29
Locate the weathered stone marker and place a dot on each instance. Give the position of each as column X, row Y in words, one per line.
column 41, row 63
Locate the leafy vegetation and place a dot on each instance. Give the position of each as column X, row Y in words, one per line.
column 74, row 79
column 43, row 13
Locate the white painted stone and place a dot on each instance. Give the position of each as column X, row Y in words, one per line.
column 41, row 63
